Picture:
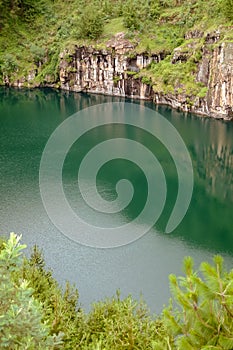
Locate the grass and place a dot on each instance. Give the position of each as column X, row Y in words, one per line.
column 176, row 78
column 163, row 38
column 56, row 28
column 113, row 27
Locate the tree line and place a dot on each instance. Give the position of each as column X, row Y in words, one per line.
column 37, row 314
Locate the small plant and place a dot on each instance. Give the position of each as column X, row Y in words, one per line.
column 9, row 64
column 226, row 6
column 146, row 80
column 116, row 78
column 202, row 93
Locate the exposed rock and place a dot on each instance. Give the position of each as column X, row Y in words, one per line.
column 113, row 71
column 194, row 34
column 120, row 44
column 220, row 83
column 212, row 37
column 203, row 70
column 182, row 53
column 108, row 71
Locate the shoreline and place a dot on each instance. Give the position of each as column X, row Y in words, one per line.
column 133, row 97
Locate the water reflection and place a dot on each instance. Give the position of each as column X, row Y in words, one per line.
column 27, row 119
column 217, row 172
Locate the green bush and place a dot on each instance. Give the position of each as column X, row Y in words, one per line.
column 146, row 80
column 38, row 53
column 121, row 324
column 9, row 64
column 60, row 308
column 134, row 14
column 36, row 314
column 91, row 22
column 21, row 325
column 204, row 316
column 226, row 7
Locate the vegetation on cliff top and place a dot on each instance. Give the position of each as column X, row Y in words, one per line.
column 36, row 314
column 34, row 32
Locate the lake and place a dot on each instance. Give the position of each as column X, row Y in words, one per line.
column 29, row 117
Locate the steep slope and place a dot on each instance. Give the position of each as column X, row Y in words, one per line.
column 172, row 51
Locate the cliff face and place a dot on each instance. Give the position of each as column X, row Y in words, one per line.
column 112, row 71
column 107, row 71
column 220, row 82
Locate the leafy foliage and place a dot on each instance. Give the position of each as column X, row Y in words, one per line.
column 60, row 308
column 34, row 32
column 36, row 314
column 121, row 324
column 226, row 6
column 168, row 77
column 21, row 325
column 205, row 317
column 91, row 22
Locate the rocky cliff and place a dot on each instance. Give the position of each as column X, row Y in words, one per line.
column 119, row 70
column 219, row 80
column 107, row 71
column 114, row 71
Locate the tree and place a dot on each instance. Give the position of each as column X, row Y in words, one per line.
column 60, row 309
column 21, row 325
column 204, row 319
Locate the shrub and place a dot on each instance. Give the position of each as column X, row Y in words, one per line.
column 226, row 7
column 204, row 316
column 60, row 308
column 38, row 53
column 121, row 324
column 135, row 13
column 91, row 22
column 33, row 312
column 21, row 325
column 9, row 64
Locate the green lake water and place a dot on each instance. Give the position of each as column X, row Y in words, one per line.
column 28, row 118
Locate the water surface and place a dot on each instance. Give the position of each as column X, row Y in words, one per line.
column 27, row 119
